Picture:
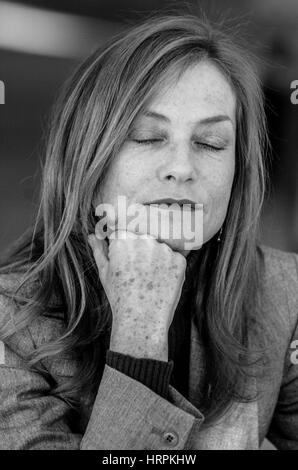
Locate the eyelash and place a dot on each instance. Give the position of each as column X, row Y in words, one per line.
column 152, row 141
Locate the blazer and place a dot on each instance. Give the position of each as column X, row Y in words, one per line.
column 125, row 414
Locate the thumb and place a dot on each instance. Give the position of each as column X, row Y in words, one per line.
column 100, row 252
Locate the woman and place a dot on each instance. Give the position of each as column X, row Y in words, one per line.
column 124, row 338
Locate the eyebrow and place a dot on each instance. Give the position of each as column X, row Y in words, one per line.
column 206, row 121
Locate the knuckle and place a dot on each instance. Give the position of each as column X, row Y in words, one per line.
column 165, row 247
column 180, row 259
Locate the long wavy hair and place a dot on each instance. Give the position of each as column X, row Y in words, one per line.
column 89, row 123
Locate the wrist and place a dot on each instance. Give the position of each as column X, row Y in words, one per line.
column 140, row 349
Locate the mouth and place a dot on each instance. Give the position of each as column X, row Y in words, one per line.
column 170, row 201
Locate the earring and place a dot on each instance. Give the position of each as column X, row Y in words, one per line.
column 219, row 235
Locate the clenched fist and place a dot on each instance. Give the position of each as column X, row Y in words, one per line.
column 143, row 280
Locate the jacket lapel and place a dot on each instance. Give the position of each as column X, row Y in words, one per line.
column 238, row 428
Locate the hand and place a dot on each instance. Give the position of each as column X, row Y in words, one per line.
column 143, row 280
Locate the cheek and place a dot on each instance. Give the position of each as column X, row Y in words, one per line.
column 111, row 186
column 223, row 186
column 124, row 178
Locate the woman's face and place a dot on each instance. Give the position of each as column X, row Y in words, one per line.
column 181, row 147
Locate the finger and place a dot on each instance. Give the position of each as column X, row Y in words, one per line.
column 121, row 235
column 126, row 235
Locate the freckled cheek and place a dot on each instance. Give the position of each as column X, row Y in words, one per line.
column 125, row 177
column 117, row 183
column 139, row 166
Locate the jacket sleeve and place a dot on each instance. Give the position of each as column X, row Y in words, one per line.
column 283, row 431
column 153, row 373
column 134, row 417
column 125, row 415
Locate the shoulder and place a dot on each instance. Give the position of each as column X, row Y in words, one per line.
column 277, row 262
column 8, row 286
column 36, row 332
column 279, row 284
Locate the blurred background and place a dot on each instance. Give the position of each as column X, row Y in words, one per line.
column 41, row 42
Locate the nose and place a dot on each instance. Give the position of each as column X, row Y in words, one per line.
column 177, row 165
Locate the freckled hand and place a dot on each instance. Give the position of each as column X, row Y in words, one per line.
column 143, row 280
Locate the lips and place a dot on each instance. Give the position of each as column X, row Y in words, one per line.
column 170, row 201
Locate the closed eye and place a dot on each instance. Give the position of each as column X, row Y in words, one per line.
column 208, row 146
column 155, row 141
column 147, row 141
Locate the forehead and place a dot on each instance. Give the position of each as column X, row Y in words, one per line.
column 200, row 91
